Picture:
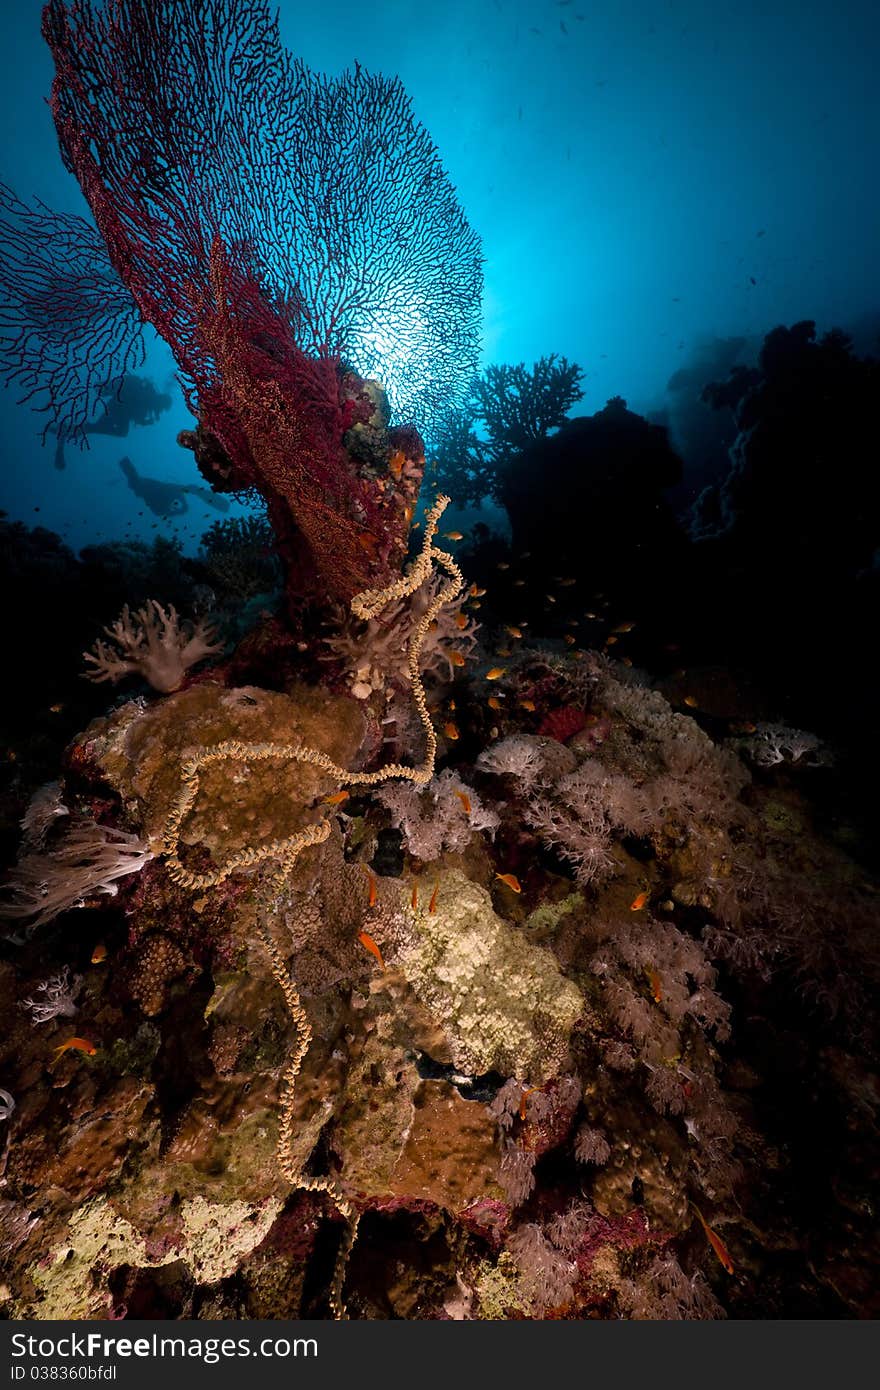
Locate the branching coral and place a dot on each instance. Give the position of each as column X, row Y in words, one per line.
column 514, row 406
column 151, row 643
column 313, row 222
column 528, row 760
column 238, row 556
column 69, row 328
column 59, row 992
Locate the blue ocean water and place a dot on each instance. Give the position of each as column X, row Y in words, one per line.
column 647, row 178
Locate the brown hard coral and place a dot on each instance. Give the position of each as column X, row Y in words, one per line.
column 138, row 750
column 227, row 1044
column 159, row 962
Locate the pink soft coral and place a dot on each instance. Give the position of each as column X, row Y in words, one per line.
column 154, row 644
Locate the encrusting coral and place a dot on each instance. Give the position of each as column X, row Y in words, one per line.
column 502, row 1002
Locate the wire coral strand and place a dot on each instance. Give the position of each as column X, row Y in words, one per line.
column 289, row 1170
column 365, row 605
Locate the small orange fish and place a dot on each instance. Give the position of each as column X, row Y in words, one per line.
column 529, row 705
column 369, row 945
column 495, row 673
column 396, row 462
column 639, row 902
column 78, row 1044
column 570, row 638
column 367, row 543
column 717, row 1244
column 475, row 591
column 432, row 905
column 465, row 801
column 655, row 983
column 456, row 658
column 503, row 651
column 493, row 702
column 99, row 954
column 55, row 709
column 336, row 799
column 743, row 728
column 690, row 701
column 511, row 881
column 519, row 583
column 550, row 598
column 374, row 889
column 623, row 627
column 626, row 661
column 502, row 565
column 461, row 621
column 609, row 641
column 414, row 900
column 566, row 583
column 527, row 1091
column 514, row 631
column 450, row 730
column 590, row 615
column 453, row 535
column 474, row 604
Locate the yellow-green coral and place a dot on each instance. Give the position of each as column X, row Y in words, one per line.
column 546, row 918
column 497, row 1289
column 502, row 1002
column 74, row 1281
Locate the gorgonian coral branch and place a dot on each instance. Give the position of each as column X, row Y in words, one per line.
column 269, row 222
column 69, row 327
column 189, row 122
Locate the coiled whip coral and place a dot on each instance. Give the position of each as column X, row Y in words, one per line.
column 365, row 605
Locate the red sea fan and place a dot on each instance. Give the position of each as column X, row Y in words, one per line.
column 269, row 222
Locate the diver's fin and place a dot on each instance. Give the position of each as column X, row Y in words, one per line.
column 129, row 469
column 211, row 499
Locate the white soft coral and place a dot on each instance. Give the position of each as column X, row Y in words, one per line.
column 152, row 643
column 87, row 860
